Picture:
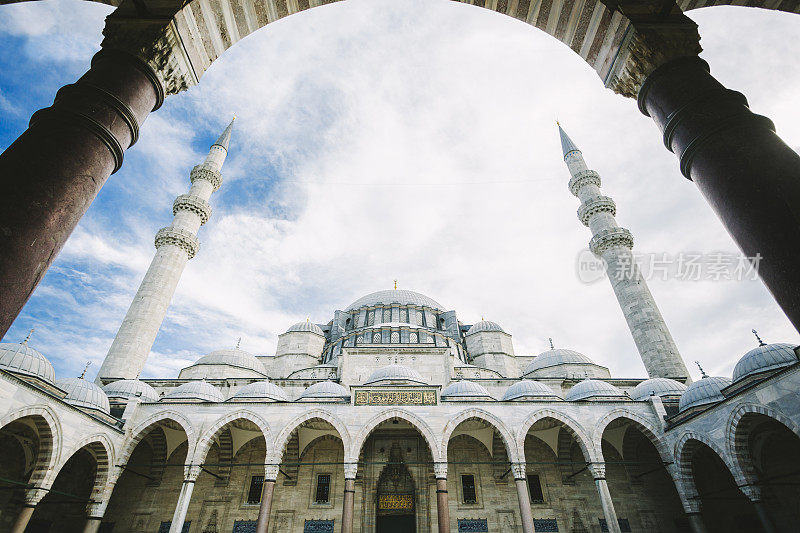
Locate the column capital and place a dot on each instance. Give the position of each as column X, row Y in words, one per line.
column 752, row 492
column 191, row 473
column 34, row 495
column 520, row 470
column 96, row 510
column 440, row 470
column 598, row 471
column 350, row 470
column 271, row 472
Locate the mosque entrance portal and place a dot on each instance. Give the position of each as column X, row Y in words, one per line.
column 395, row 506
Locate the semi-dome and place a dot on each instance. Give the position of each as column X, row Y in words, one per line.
column 484, row 325
column 763, row 359
column 396, row 296
column 703, row 392
column 395, row 373
column 657, row 387
column 261, row 390
column 593, row 389
column 233, row 357
column 557, row 356
column 24, row 360
column 327, row 390
column 84, row 394
column 131, row 388
column 527, row 388
column 465, row 388
column 306, row 327
column 195, row 390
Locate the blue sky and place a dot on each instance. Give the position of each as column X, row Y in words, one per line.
column 410, row 140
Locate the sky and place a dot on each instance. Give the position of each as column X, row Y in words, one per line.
column 408, row 139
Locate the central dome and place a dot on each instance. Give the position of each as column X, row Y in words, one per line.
column 395, row 297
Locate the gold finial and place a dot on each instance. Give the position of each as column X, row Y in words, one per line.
column 25, row 342
column 551, row 343
column 84, row 370
column 395, row 284
column 702, row 372
column 238, row 342
column 234, row 118
column 308, row 319
column 557, row 123
column 760, row 342
column 481, row 318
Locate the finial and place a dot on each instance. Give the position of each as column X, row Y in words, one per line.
column 558, row 123
column 238, row 343
column 760, row 342
column 84, row 370
column 702, row 372
column 25, row 342
column 395, row 284
column 551, row 343
column 482, row 318
column 308, row 319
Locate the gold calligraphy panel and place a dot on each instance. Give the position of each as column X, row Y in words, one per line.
column 395, row 501
column 395, row 397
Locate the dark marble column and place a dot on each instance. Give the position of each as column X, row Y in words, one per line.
column 347, row 505
column 442, row 505
column 262, row 526
column 746, row 172
column 52, row 172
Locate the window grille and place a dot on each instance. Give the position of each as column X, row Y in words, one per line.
column 323, row 488
column 468, row 488
column 254, row 494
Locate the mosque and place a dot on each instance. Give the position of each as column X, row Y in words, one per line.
column 395, row 416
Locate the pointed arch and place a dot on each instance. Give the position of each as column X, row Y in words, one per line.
column 489, row 418
column 643, row 424
column 50, row 439
column 738, row 433
column 143, row 429
column 283, row 437
column 102, row 449
column 207, row 439
column 383, row 416
column 569, row 424
column 685, row 448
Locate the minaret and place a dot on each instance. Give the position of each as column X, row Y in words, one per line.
column 613, row 244
column 175, row 245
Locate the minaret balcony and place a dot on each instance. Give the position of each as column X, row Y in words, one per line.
column 178, row 237
column 599, row 204
column 198, row 206
column 583, row 178
column 611, row 238
column 208, row 173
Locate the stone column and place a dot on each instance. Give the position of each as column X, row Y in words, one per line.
column 184, row 499
column 442, row 505
column 753, row 493
column 52, row 172
column 521, row 479
column 350, row 470
column 270, row 476
column 599, row 474
column 23, row 518
column 94, row 516
column 745, row 171
column 691, row 506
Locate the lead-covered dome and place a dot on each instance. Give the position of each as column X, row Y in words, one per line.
column 527, row 389
column 565, row 363
column 327, row 390
column 233, row 357
column 594, row 389
column 396, row 296
column 485, row 325
column 703, row 392
column 24, row 360
column 661, row 387
column 466, row 389
column 395, row 373
column 84, row 394
column 306, row 327
column 195, row 391
column 127, row 389
column 260, row 390
column 763, row 359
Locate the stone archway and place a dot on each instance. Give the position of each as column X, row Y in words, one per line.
column 395, row 507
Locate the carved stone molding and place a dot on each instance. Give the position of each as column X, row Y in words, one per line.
column 598, row 470
column 596, row 205
column 520, row 470
column 350, row 470
column 271, row 472
column 208, row 173
column 177, row 237
column 583, row 178
column 610, row 238
column 198, row 206
column 440, row 470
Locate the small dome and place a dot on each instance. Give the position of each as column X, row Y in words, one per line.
column 306, row 327
column 485, row 325
column 195, row 390
column 326, row 389
column 395, row 297
column 764, row 358
column 703, row 392
column 557, row 356
column 262, row 390
column 395, row 373
column 466, row 388
column 82, row 393
column 528, row 389
column 233, row 357
column 593, row 389
column 657, row 387
column 131, row 388
column 22, row 359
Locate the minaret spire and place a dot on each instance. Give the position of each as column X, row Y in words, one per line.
column 175, row 245
column 613, row 244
